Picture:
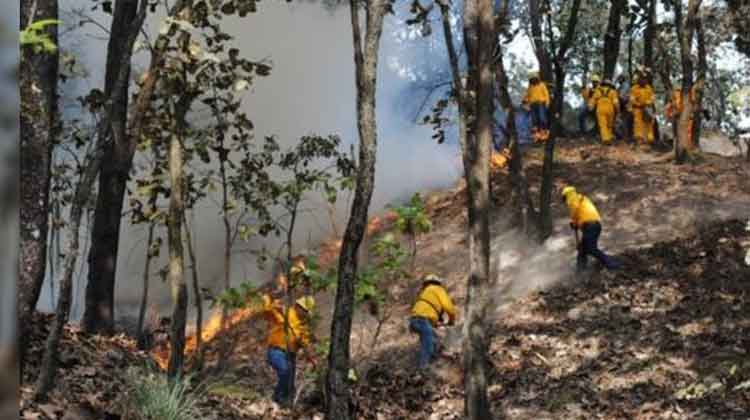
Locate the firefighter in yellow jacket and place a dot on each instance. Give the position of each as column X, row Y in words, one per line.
column 605, row 103
column 285, row 339
column 585, row 217
column 432, row 303
column 538, row 99
column 642, row 105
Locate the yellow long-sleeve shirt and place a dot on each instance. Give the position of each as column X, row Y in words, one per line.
column 432, row 301
column 299, row 330
column 641, row 96
column 582, row 210
column 537, row 93
column 604, row 97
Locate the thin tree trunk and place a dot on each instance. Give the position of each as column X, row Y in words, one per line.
column 141, row 335
column 612, row 37
column 38, row 124
column 197, row 296
column 698, row 97
column 225, row 343
column 366, row 64
column 81, row 198
column 85, row 186
column 456, row 74
column 174, row 238
column 648, row 36
column 525, row 211
column 685, row 33
column 479, row 38
column 98, row 316
column 560, row 57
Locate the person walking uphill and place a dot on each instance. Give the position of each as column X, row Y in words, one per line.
column 585, row 217
column 642, row 105
column 605, row 103
column 285, row 339
column 537, row 97
column 433, row 301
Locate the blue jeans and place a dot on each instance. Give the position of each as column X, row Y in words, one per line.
column 423, row 327
column 590, row 246
column 285, row 365
column 539, row 116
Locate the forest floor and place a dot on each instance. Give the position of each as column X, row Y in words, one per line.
column 666, row 337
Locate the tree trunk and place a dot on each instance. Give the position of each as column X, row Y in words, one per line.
column 685, row 33
column 98, row 316
column 47, row 370
column 456, row 75
column 143, row 342
column 649, row 34
column 525, row 212
column 38, row 125
column 479, row 38
column 546, row 65
column 612, row 37
column 197, row 298
column 176, row 276
column 698, row 97
column 81, row 198
column 365, row 62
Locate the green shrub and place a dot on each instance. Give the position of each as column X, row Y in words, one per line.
column 154, row 397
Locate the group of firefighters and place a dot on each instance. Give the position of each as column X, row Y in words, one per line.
column 605, row 101
column 289, row 326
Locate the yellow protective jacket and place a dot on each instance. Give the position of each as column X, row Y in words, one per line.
column 582, row 210
column 432, row 301
column 299, row 330
column 537, row 93
column 641, row 96
column 604, row 99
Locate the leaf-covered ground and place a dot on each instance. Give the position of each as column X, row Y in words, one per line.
column 665, row 338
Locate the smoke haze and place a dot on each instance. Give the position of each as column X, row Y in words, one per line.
column 310, row 90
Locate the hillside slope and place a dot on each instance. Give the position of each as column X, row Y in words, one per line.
column 666, row 337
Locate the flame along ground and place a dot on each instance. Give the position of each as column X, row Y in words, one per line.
column 328, row 253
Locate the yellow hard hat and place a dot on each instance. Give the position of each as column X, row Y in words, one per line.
column 568, row 190
column 595, row 78
column 533, row 75
column 307, row 303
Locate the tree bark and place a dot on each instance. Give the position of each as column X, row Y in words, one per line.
column 545, row 206
column 365, row 63
column 649, row 34
column 197, row 297
column 612, row 37
column 38, row 73
column 176, row 276
column 698, row 97
column 141, row 334
column 98, row 316
column 81, row 198
column 685, row 34
column 46, row 378
column 480, row 40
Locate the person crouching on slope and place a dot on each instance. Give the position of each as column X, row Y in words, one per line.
column 537, row 96
column 584, row 216
column 433, row 301
column 285, row 340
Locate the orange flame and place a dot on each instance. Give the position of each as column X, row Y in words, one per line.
column 328, row 254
